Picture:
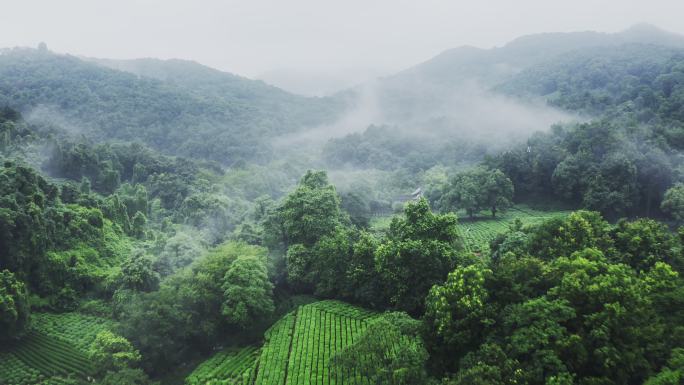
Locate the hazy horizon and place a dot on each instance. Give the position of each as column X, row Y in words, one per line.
column 335, row 44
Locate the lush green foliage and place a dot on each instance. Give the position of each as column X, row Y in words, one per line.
column 224, row 291
column 137, row 273
column 673, row 202
column 563, row 300
column 247, row 291
column 175, row 258
column 310, row 212
column 112, row 353
column 673, row 373
column 210, row 115
column 476, row 190
column 418, row 252
column 14, row 306
column 331, row 258
column 56, row 249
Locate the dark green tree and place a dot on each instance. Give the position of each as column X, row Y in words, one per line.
column 137, row 273
column 673, row 202
column 247, row 292
column 138, row 225
column 673, row 373
column 14, row 307
column 311, row 211
column 419, row 251
column 115, row 360
column 478, row 189
column 457, row 313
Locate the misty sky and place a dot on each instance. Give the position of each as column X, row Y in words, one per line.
column 254, row 37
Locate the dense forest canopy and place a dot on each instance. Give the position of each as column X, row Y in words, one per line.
column 151, row 230
column 210, row 115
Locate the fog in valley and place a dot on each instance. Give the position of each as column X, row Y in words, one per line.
column 390, row 192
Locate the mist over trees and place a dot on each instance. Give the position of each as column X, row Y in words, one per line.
column 173, row 204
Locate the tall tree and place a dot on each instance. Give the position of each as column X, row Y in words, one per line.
column 497, row 190
column 248, row 294
column 457, row 313
column 673, row 202
column 311, row 211
column 14, row 306
column 137, row 273
column 419, row 251
column 110, row 352
column 478, row 189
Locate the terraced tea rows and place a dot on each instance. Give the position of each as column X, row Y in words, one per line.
column 78, row 329
column 47, row 356
column 319, row 334
column 478, row 233
column 227, row 367
column 272, row 364
column 56, row 346
column 13, row 371
column 299, row 348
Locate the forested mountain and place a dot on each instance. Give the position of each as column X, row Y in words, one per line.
column 293, row 111
column 202, row 113
column 624, row 160
column 505, row 216
column 640, row 81
column 429, row 87
column 616, row 149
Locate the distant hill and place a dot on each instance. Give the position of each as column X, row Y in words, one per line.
column 184, row 108
column 175, row 106
column 491, row 65
column 426, row 87
column 595, row 78
column 205, row 82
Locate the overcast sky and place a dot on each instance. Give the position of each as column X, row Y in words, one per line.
column 253, row 37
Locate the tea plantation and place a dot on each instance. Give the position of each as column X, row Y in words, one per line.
column 477, row 233
column 297, row 350
column 227, row 367
column 54, row 349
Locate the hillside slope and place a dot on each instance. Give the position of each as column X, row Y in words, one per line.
column 196, row 112
column 431, row 88
column 208, row 82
